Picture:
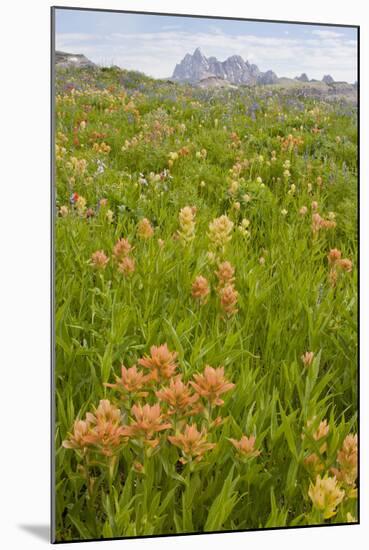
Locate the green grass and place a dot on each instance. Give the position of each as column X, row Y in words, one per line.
column 286, row 306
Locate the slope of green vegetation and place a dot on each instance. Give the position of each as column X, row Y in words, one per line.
column 197, row 228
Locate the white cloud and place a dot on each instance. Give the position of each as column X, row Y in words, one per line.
column 170, row 27
column 73, row 37
column 327, row 34
column 156, row 53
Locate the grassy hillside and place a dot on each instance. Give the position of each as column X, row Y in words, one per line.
column 238, row 213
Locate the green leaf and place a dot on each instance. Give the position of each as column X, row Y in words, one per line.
column 223, row 504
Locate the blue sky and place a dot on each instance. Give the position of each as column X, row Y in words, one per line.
column 154, row 44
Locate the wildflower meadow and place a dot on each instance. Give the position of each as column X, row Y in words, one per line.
column 205, row 307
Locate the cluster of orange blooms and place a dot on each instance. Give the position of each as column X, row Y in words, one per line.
column 156, row 406
column 157, row 132
column 291, row 142
column 144, row 229
column 227, row 293
column 319, row 223
column 184, row 151
column 152, row 134
column 235, row 140
column 200, row 289
column 99, row 260
column 97, row 135
column 225, row 288
column 175, row 155
column 130, row 107
column 78, row 166
column 92, row 96
column 102, row 147
column 338, row 482
column 238, row 168
column 347, row 460
column 337, row 265
column 122, row 253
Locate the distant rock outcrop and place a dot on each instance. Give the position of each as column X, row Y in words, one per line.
column 269, row 77
column 196, row 67
column 67, row 60
column 302, row 78
column 215, row 82
column 328, row 79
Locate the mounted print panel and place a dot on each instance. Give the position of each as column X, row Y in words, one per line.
column 205, row 205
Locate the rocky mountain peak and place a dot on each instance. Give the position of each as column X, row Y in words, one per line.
column 302, row 78
column 197, row 54
column 328, row 79
column 237, row 59
column 196, row 67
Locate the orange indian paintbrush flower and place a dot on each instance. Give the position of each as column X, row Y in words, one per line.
column 345, row 264
column 121, row 249
column 192, row 443
column 127, row 265
column 101, row 430
column 228, row 299
column 337, row 263
column 149, row 421
column 307, row 358
column 161, row 362
column 347, row 459
column 131, row 380
column 225, row 274
column 99, row 259
column 200, row 288
column 212, row 384
column 245, row 446
column 334, row 255
column 320, row 223
column 178, row 396
column 77, row 437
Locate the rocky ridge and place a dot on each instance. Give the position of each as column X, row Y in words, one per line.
column 67, row 60
column 197, row 67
